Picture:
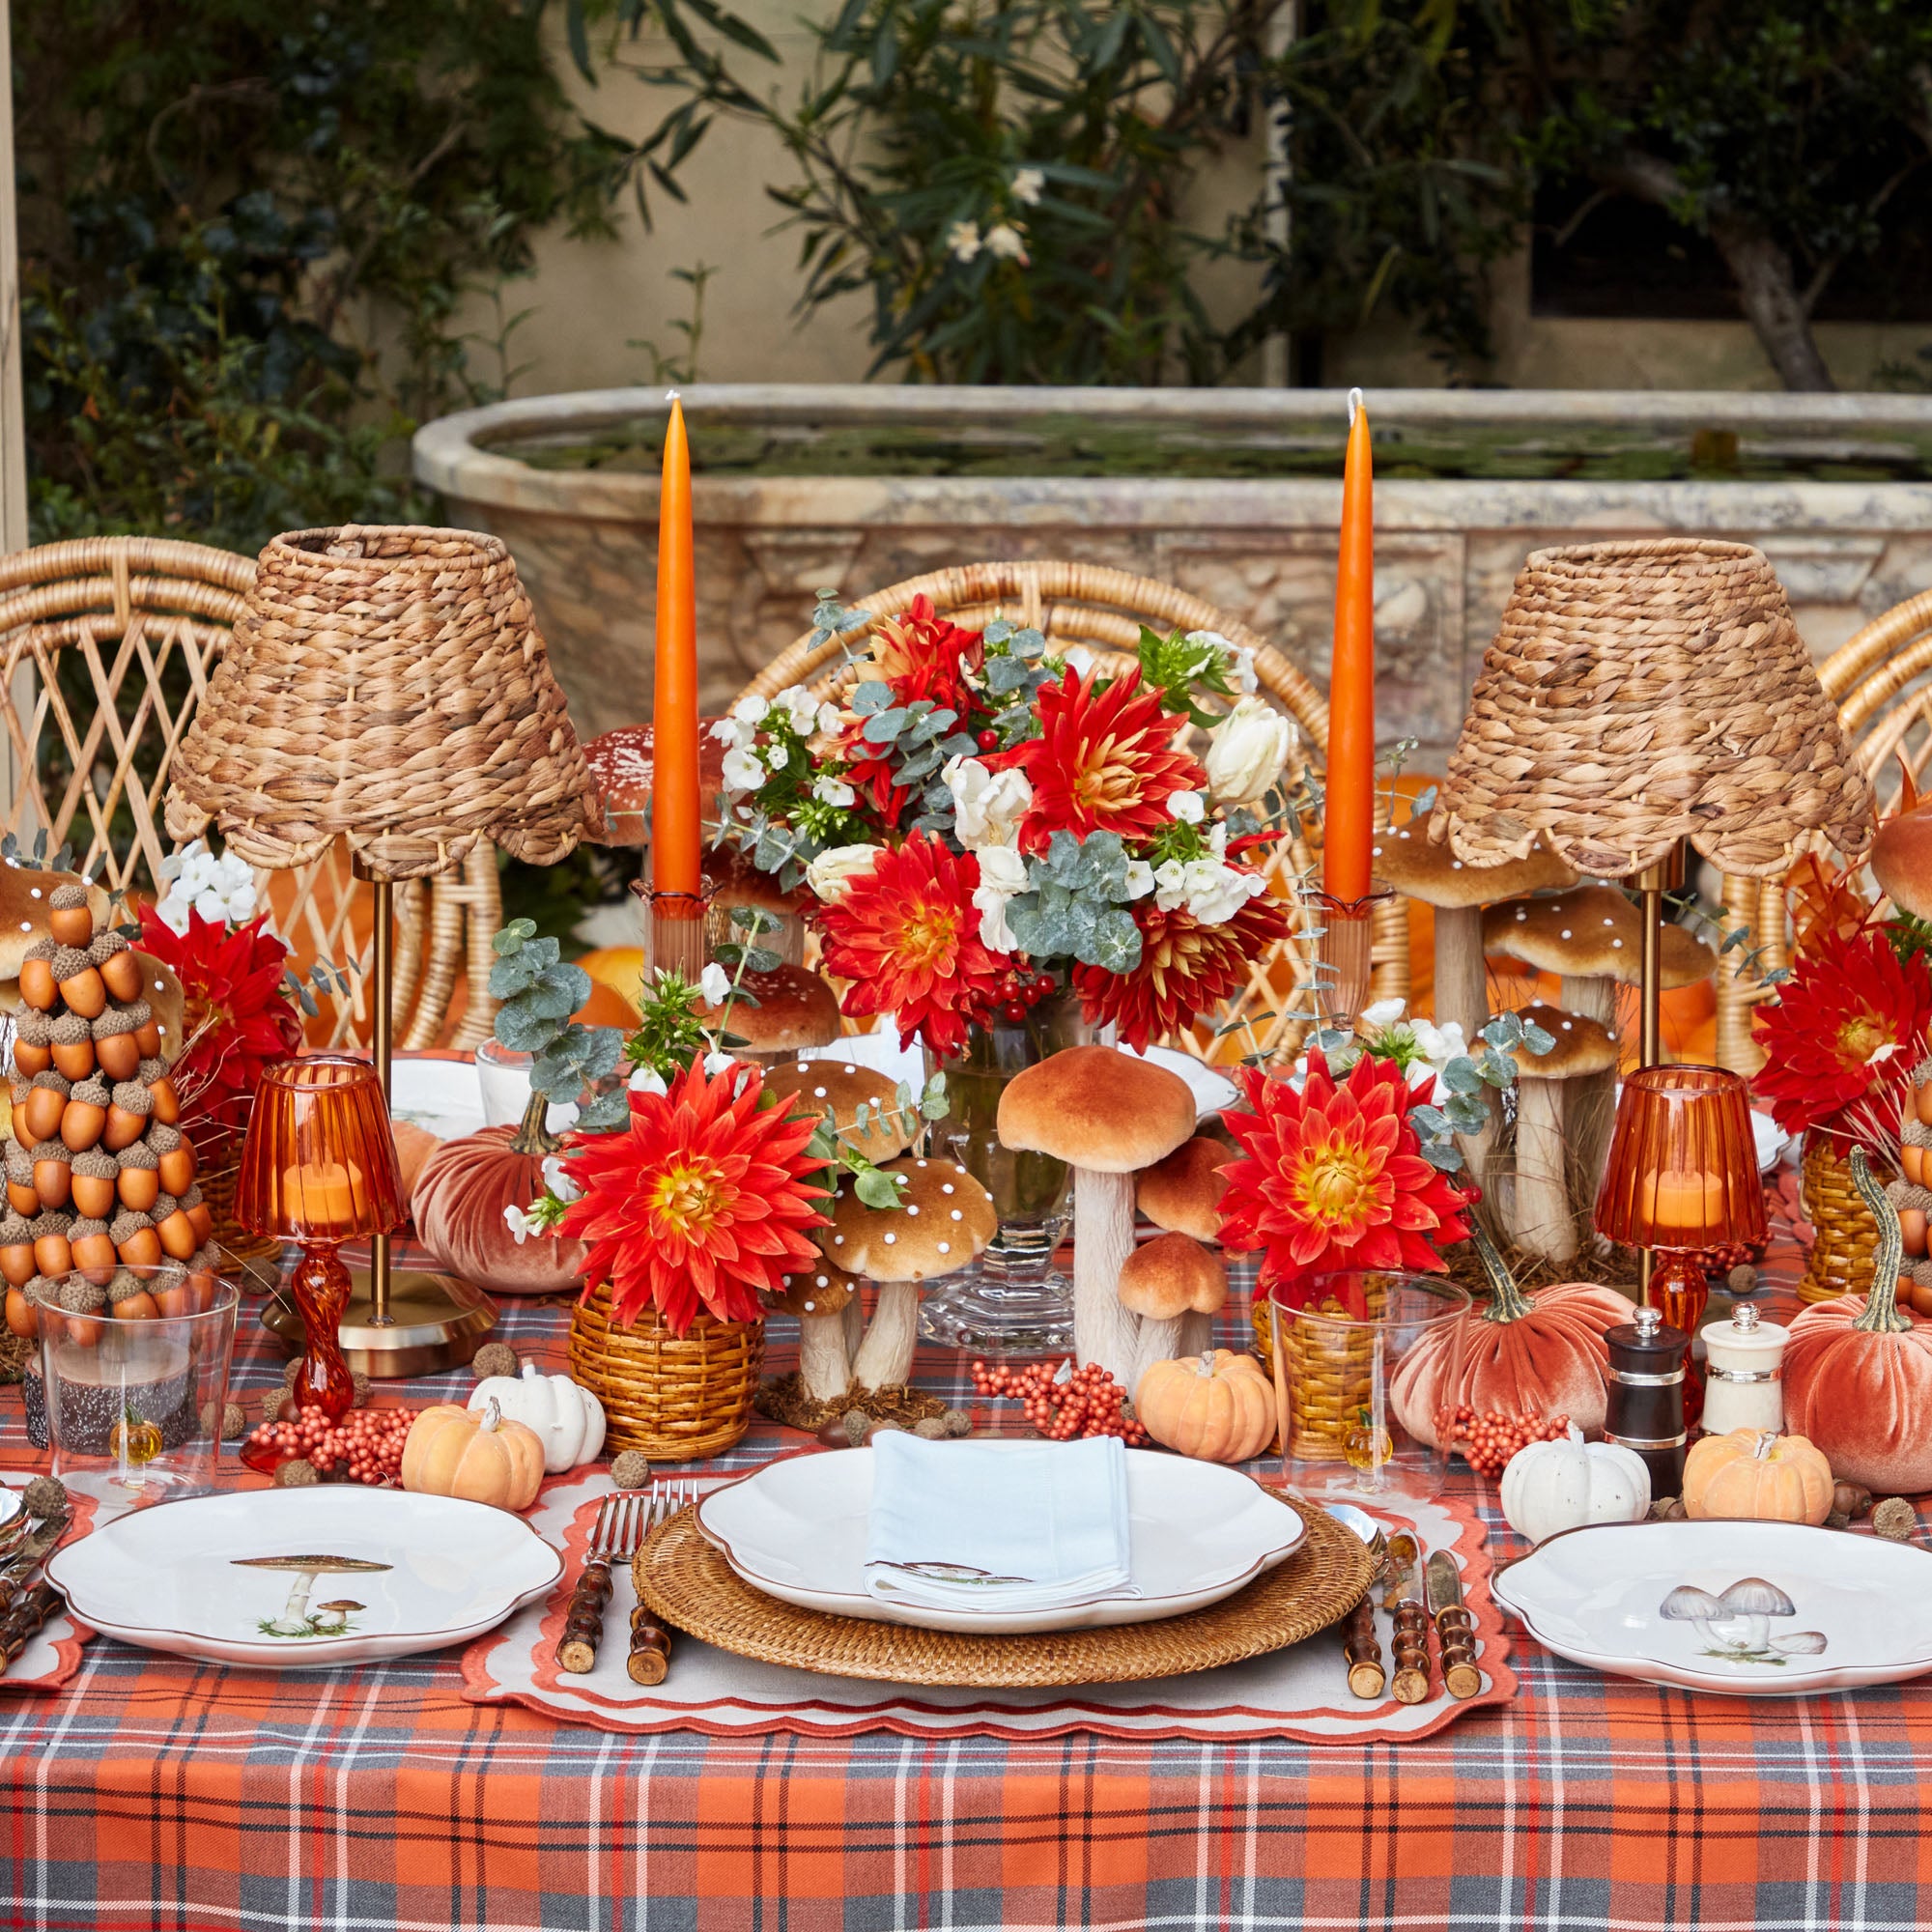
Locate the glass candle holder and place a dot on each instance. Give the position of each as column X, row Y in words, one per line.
column 319, row 1168
column 1337, row 1360
column 131, row 1389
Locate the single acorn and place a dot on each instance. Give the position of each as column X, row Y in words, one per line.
column 80, row 1302
column 128, row 1109
column 114, row 1045
column 176, row 1154
column 84, row 1119
column 21, row 1318
column 78, row 980
column 139, row 1182
column 33, row 1042
column 73, row 1046
column 45, row 1103
column 37, row 989
column 92, row 1252
column 120, row 970
column 130, row 1298
column 21, row 1196
column 53, row 1176
column 16, row 1251
column 68, row 918
column 174, row 1295
column 52, row 1250
column 154, row 1076
column 146, row 1029
column 200, row 1215
column 93, row 1192
column 172, row 1225
column 135, row 1239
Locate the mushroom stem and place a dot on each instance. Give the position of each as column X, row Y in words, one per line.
column 854, row 1320
column 294, row 1619
column 823, row 1366
column 1544, row 1224
column 1103, row 1238
column 1462, row 996
column 1592, row 1100
column 885, row 1356
column 1197, row 1336
column 1159, row 1342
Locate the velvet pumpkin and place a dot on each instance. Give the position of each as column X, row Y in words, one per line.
column 459, row 1202
column 1858, row 1374
column 413, row 1146
column 1216, row 1407
column 1540, row 1353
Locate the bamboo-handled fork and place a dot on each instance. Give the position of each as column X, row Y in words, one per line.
column 623, row 1521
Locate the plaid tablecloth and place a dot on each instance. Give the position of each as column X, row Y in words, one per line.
column 152, row 1792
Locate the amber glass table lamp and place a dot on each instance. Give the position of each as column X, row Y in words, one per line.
column 319, row 1167
column 1683, row 1179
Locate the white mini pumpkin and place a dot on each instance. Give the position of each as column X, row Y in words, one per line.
column 568, row 1419
column 1554, row 1486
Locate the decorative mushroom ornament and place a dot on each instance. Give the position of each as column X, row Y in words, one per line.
column 567, row 1418
column 1176, row 1288
column 1544, row 1219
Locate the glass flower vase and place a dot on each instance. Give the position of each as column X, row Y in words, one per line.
column 1014, row 1300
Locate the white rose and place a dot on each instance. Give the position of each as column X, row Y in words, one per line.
column 830, row 875
column 743, row 772
column 1249, row 752
column 1003, row 872
column 987, row 806
column 715, row 984
column 1383, row 1013
column 1140, row 878
column 1001, row 868
column 833, row 791
column 1190, row 807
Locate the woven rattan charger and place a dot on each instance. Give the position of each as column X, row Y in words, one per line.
column 687, row 1582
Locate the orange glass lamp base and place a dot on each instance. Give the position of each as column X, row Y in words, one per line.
column 320, row 1289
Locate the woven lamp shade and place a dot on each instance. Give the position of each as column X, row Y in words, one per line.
column 387, row 686
column 1642, row 693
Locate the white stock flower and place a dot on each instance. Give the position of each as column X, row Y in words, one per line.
column 1383, row 1013
column 834, row 791
column 1249, row 752
column 801, row 709
column 987, row 806
column 750, row 710
column 1170, row 885
column 559, row 1178
column 717, row 1060
column 1003, row 872
column 645, row 1081
column 962, row 241
column 1008, row 242
column 1216, row 893
column 1140, row 878
column 1028, row 185
column 714, row 983
column 734, row 731
column 827, row 720
column 221, row 889
column 521, row 1223
column 1078, row 659
column 743, row 772
column 1190, row 807
column 830, row 875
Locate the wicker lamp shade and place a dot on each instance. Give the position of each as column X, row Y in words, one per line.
column 386, row 686
column 1638, row 694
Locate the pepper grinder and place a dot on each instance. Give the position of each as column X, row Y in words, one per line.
column 1644, row 1410
column 1743, row 1371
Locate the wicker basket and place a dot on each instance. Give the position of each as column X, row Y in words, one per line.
column 1843, row 1256
column 674, row 1398
column 217, row 1190
column 1328, row 1384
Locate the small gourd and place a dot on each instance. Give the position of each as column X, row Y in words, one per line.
column 1755, row 1476
column 475, row 1455
column 1216, row 1408
column 1550, row 1487
column 567, row 1418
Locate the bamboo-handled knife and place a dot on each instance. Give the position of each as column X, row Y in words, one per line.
column 1402, row 1597
column 15, row 1575
column 1454, row 1628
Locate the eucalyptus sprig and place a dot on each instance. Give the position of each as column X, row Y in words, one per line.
column 906, row 1116
column 539, row 993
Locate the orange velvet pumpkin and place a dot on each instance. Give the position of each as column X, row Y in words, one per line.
column 1218, row 1407
column 475, row 1455
column 459, row 1202
column 1540, row 1353
column 1758, row 1476
column 1858, row 1374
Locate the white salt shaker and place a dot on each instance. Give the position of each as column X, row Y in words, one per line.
column 1743, row 1368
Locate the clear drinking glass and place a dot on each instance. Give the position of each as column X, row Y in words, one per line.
column 1346, row 1363
column 132, row 1390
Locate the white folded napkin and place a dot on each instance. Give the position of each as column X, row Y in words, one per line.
column 1011, row 1528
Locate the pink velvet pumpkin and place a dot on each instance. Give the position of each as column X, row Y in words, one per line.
column 1857, row 1371
column 1541, row 1352
column 458, row 1202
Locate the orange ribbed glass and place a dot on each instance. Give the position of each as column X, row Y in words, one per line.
column 319, row 1167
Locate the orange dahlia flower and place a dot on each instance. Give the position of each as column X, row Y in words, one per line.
column 703, row 1202
column 1332, row 1178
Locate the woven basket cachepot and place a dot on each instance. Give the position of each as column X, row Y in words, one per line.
column 1329, row 1381
column 1845, row 1255
column 674, row 1398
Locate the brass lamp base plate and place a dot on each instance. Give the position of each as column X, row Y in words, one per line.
column 436, row 1322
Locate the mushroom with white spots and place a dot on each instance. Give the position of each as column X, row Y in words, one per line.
column 819, row 1298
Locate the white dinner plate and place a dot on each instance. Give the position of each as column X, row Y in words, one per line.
column 1212, row 1088
column 304, row 1579
column 442, row 1096
column 1750, row 1610
column 796, row 1530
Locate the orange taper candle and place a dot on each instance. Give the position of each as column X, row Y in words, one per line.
column 676, row 835
column 1351, row 815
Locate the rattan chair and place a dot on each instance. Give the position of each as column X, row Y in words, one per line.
column 105, row 648
column 1881, row 680
column 1103, row 610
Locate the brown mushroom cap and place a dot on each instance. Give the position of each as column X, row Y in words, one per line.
column 622, row 767
column 320, row 1566
column 734, row 880
column 1584, row 1045
column 838, row 1089
column 1097, row 1108
column 1182, row 1193
column 161, row 993
column 945, row 1218
column 821, row 1290
column 1901, row 862
column 1170, row 1275
column 26, row 897
column 1407, row 860
column 796, row 1009
column 1593, row 932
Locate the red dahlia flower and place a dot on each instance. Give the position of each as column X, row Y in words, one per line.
column 1332, row 1178
column 701, row 1201
column 907, row 936
column 1849, row 1026
column 1185, row 968
column 919, row 656
column 1102, row 763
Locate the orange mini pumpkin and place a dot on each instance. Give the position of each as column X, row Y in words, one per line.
column 1217, row 1406
column 1758, row 1476
column 478, row 1456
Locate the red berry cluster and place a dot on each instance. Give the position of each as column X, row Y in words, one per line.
column 1088, row 1402
column 366, row 1446
column 1489, row 1441
column 1007, row 996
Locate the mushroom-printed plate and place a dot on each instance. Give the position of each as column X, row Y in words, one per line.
column 304, row 1579
column 1752, row 1609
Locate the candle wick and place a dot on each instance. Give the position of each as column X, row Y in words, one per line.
column 1355, row 400
column 670, row 395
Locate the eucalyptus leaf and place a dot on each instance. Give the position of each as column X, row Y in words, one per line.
column 870, row 696
column 1537, row 1039
column 514, row 935
column 1460, row 1075
column 521, row 1031
column 1466, row 1114
column 605, row 1113
column 877, row 1189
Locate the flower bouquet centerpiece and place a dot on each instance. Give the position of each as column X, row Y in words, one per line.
column 1009, row 849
